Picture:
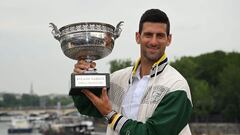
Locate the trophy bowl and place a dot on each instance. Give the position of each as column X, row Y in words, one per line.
column 87, row 40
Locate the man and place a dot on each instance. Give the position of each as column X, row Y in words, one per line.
column 150, row 98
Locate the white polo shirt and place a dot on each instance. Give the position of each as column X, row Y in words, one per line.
column 134, row 95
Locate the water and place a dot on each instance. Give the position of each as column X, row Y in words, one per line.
column 5, row 125
column 4, row 128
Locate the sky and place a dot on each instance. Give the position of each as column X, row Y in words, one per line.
column 30, row 55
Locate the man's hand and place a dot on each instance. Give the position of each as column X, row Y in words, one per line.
column 81, row 66
column 102, row 103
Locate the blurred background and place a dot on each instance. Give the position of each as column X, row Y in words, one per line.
column 205, row 48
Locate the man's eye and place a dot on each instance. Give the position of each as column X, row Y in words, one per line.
column 161, row 36
column 148, row 35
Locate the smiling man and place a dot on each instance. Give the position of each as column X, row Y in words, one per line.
column 150, row 98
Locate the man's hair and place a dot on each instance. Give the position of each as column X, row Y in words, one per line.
column 155, row 16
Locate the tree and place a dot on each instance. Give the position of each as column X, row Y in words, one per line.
column 30, row 100
column 186, row 66
column 209, row 65
column 9, row 100
column 228, row 94
column 119, row 64
column 214, row 82
column 202, row 99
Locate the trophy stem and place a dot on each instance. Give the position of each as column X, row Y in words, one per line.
column 88, row 60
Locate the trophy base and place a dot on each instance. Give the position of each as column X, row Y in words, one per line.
column 91, row 81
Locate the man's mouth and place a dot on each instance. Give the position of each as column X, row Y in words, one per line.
column 153, row 49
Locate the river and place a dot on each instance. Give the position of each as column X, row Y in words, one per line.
column 4, row 127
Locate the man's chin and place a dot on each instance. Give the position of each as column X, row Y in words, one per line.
column 153, row 58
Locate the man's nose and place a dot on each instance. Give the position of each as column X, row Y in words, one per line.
column 154, row 41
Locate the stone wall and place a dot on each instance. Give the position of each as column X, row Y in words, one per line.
column 215, row 129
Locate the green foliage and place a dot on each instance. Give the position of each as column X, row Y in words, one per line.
column 119, row 64
column 202, row 91
column 214, row 82
column 210, row 65
column 229, row 92
column 9, row 100
column 27, row 100
column 186, row 65
column 66, row 100
column 30, row 100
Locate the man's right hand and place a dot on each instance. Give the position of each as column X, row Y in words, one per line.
column 82, row 66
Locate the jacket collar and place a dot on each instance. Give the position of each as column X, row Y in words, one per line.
column 157, row 67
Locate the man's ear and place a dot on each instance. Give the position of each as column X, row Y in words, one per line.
column 169, row 39
column 137, row 37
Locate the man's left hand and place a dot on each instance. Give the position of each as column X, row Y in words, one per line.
column 102, row 103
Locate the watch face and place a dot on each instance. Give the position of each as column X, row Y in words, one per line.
column 106, row 118
column 109, row 116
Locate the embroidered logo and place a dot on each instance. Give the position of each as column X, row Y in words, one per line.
column 157, row 94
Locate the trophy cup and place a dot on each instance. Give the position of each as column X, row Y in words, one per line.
column 87, row 41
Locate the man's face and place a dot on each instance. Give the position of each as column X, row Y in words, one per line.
column 153, row 40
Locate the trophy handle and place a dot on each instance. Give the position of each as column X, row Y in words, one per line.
column 56, row 33
column 118, row 30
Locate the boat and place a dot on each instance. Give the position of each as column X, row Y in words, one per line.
column 20, row 125
column 5, row 117
column 71, row 124
column 38, row 121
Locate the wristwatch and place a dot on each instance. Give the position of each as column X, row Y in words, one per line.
column 109, row 116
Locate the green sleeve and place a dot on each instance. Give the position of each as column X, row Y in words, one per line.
column 85, row 106
column 169, row 118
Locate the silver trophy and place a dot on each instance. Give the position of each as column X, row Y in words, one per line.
column 87, row 41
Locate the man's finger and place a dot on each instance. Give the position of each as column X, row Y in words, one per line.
column 93, row 64
column 91, row 96
column 81, row 62
column 78, row 71
column 82, row 66
column 104, row 93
